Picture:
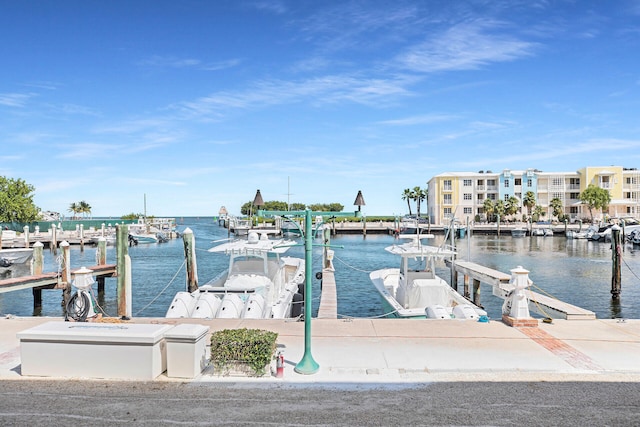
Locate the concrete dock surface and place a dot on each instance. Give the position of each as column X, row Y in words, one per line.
column 415, row 351
column 372, row 372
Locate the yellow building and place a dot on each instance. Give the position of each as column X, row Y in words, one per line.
column 461, row 195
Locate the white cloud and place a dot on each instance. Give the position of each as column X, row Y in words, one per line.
column 466, row 46
column 420, row 120
column 15, row 99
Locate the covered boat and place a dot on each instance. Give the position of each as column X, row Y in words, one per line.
column 414, row 289
column 259, row 283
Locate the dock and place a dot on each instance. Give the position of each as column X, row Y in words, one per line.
column 328, row 308
column 51, row 280
column 539, row 303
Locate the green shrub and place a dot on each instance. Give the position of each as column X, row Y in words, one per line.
column 252, row 347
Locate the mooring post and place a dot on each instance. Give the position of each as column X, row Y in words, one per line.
column 101, row 257
column 616, row 254
column 465, row 280
column 38, row 258
column 189, row 242
column 66, row 273
column 476, row 292
column 36, row 270
column 123, row 264
column 81, row 232
column 25, row 230
column 54, row 239
column 327, row 242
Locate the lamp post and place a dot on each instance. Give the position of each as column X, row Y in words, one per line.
column 307, row 364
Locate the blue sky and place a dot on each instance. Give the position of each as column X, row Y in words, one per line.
column 197, row 104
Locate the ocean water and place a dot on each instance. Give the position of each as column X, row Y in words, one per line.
column 575, row 271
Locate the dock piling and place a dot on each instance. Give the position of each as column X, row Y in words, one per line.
column 616, row 253
column 190, row 257
column 123, row 267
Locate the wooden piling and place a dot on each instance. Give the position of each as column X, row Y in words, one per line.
column 25, row 233
column 38, row 267
column 102, row 260
column 616, row 254
column 327, row 241
column 54, row 239
column 466, row 285
column 38, row 258
column 190, row 257
column 66, row 274
column 476, row 292
column 122, row 254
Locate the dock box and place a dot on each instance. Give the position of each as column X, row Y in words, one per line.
column 94, row 350
column 186, row 350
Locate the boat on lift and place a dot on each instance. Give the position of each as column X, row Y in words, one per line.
column 9, row 257
column 259, row 283
column 414, row 290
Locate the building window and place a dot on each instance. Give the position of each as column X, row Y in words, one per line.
column 446, row 199
column 518, row 181
column 447, row 185
column 556, row 196
column 506, row 197
column 491, row 182
column 556, row 182
column 491, row 196
column 506, row 183
column 447, row 212
column 468, row 211
column 467, row 183
column 468, row 196
column 574, row 196
column 529, row 182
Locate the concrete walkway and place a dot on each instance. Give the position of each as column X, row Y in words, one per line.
column 418, row 351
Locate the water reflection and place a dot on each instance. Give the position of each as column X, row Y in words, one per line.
column 575, row 271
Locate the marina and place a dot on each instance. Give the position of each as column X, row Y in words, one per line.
column 575, row 271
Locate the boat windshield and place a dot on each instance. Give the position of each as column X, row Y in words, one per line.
column 248, row 264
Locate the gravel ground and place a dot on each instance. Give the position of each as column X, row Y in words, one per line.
column 101, row 403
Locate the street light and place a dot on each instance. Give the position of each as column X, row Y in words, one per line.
column 308, row 365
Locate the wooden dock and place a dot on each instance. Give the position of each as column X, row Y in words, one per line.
column 328, row 308
column 541, row 304
column 52, row 280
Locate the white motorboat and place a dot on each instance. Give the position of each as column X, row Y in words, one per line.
column 238, row 226
column 259, row 283
column 9, row 257
column 518, row 232
column 415, row 291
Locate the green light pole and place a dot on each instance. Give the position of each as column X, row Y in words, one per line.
column 307, row 365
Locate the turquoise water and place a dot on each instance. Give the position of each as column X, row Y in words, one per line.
column 575, row 271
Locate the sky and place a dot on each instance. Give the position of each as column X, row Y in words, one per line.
column 193, row 105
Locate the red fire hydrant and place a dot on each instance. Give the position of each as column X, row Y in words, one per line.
column 280, row 365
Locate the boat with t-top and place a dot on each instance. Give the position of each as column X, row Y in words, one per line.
column 259, row 283
column 414, row 290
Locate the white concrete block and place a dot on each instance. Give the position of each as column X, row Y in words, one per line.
column 186, row 350
column 94, row 350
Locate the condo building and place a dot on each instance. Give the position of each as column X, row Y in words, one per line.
column 461, row 195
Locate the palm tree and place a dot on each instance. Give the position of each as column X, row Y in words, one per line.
column 84, row 208
column 407, row 195
column 512, row 206
column 489, row 208
column 74, row 208
column 499, row 209
column 529, row 201
column 557, row 209
column 419, row 195
column 538, row 212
